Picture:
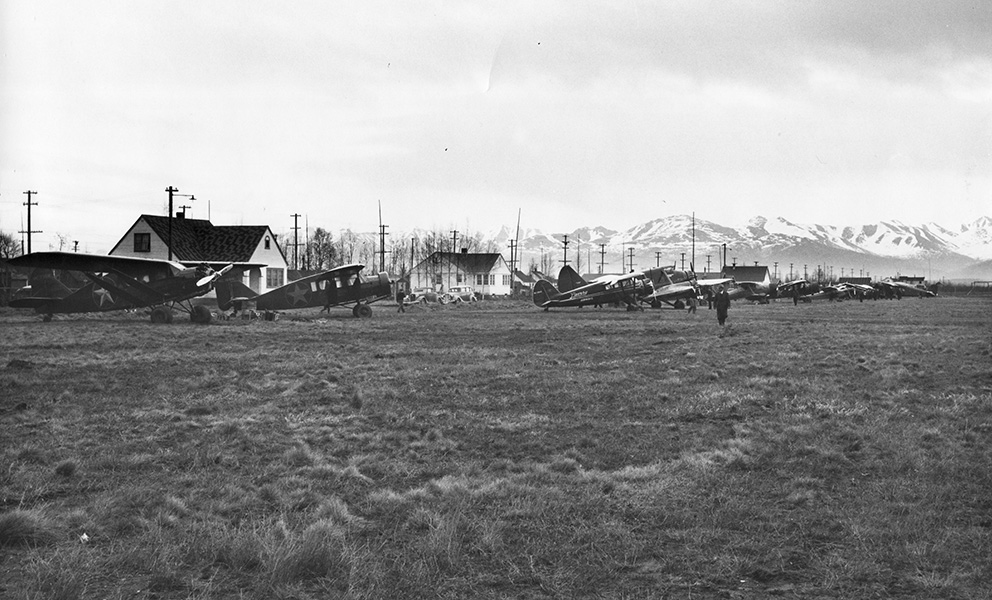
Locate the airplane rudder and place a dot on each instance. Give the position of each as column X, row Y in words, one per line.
column 543, row 291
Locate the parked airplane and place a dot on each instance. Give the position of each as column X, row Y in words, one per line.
column 806, row 291
column 898, row 289
column 628, row 289
column 115, row 283
column 339, row 286
column 673, row 286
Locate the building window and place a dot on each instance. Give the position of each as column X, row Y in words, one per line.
column 268, row 244
column 273, row 278
column 142, row 242
column 507, row 280
column 478, row 279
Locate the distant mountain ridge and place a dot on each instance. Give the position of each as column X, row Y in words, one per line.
column 889, row 245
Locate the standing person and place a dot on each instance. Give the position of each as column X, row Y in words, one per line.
column 722, row 305
column 400, row 296
column 693, row 301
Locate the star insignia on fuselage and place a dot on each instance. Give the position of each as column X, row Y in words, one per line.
column 102, row 297
column 298, row 295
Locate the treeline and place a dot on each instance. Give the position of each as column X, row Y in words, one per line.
column 395, row 254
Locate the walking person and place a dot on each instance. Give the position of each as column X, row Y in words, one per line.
column 722, row 305
column 400, row 296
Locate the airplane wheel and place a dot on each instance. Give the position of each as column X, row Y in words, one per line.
column 679, row 305
column 200, row 314
column 47, row 318
column 161, row 314
column 363, row 311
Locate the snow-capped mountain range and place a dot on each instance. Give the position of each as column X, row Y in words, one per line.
column 886, row 247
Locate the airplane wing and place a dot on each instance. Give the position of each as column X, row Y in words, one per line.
column 673, row 291
column 710, row 283
column 151, row 268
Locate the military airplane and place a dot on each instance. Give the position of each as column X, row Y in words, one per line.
column 628, row 289
column 115, row 283
column 898, row 289
column 339, row 286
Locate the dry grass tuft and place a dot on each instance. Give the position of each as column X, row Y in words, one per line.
column 26, row 527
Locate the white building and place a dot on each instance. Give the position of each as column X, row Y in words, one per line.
column 486, row 273
column 196, row 241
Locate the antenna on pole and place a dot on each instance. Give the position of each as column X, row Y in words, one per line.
column 514, row 252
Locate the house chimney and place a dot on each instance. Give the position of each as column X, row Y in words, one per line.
column 180, row 215
column 464, row 250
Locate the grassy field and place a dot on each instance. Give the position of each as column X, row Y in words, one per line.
column 835, row 450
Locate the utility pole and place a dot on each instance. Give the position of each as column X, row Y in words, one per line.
column 296, row 240
column 683, row 261
column 692, row 261
column 183, row 208
column 75, row 245
column 171, row 191
column 775, row 271
column 708, row 263
column 564, row 243
column 29, row 231
column 454, row 256
column 174, row 192
column 631, row 250
column 602, row 257
column 382, row 247
column 657, row 258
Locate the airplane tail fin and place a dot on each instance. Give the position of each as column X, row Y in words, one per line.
column 544, row 291
column 568, row 279
column 230, row 290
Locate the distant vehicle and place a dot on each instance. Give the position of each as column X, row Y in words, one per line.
column 456, row 294
column 115, row 283
column 341, row 286
column 420, row 296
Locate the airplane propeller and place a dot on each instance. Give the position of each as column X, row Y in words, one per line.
column 213, row 276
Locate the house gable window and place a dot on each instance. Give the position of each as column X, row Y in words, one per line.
column 268, row 244
column 142, row 242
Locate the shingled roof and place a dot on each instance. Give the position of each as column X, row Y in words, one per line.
column 470, row 262
column 196, row 240
column 743, row 273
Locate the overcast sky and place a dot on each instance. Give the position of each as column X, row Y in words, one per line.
column 455, row 115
